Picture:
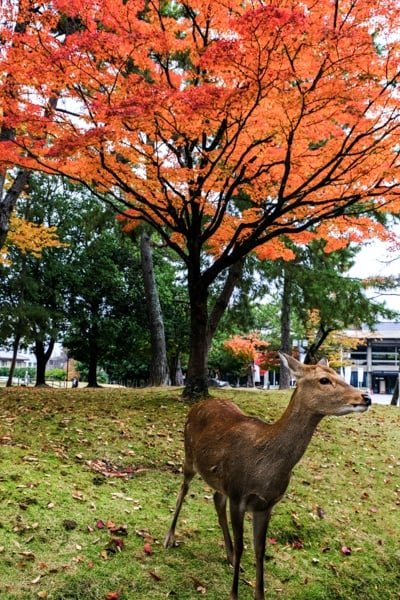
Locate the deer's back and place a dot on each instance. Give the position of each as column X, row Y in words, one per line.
column 210, row 420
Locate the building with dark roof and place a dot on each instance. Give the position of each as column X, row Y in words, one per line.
column 22, row 360
column 375, row 363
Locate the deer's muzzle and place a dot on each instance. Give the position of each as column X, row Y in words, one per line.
column 367, row 398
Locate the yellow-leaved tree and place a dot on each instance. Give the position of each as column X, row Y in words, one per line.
column 30, row 237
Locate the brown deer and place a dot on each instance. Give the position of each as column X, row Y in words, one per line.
column 250, row 462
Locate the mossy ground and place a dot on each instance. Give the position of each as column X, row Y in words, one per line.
column 69, row 532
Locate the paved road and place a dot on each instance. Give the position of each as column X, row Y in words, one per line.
column 381, row 398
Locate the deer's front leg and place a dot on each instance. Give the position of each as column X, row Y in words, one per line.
column 237, row 517
column 260, row 527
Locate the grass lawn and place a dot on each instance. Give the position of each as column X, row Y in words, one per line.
column 88, row 480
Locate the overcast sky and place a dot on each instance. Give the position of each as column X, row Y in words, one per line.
column 379, row 258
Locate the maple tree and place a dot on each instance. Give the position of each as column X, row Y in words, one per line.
column 248, row 350
column 227, row 127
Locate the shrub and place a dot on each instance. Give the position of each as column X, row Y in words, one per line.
column 57, row 374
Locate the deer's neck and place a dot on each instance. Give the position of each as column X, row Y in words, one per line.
column 294, row 430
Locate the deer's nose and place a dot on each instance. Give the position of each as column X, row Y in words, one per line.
column 367, row 398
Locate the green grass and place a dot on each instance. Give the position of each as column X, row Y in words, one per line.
column 344, row 493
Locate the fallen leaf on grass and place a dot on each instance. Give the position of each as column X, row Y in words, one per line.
column 113, row 595
column 27, row 555
column 114, row 545
column 69, row 524
column 118, row 530
column 147, row 549
column 121, row 496
column 200, row 587
column 295, row 520
column 5, row 440
column 346, row 550
column 30, row 459
column 77, row 495
column 155, row 576
column 146, row 535
column 108, row 469
column 112, row 527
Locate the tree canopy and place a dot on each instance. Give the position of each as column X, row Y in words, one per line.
column 223, row 125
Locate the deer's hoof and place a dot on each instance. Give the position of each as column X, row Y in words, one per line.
column 169, row 541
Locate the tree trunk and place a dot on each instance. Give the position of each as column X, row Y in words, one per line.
column 9, row 199
column 284, row 379
column 196, row 384
column 311, row 357
column 159, row 372
column 203, row 328
column 93, row 356
column 175, row 370
column 42, row 358
column 92, row 367
column 15, row 347
column 222, row 301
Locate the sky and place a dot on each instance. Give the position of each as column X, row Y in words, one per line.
column 379, row 258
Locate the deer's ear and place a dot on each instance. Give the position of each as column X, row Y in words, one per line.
column 295, row 367
column 324, row 362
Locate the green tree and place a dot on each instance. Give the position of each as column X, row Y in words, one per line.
column 317, row 283
column 15, row 308
column 337, row 300
column 101, row 297
column 35, row 286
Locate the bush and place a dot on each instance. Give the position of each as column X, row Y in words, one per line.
column 57, row 374
column 18, row 372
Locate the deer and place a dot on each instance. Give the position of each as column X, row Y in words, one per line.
column 249, row 462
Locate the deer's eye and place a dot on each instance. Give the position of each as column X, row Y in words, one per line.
column 324, row 381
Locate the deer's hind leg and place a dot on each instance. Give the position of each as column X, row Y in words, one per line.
column 188, row 474
column 237, row 517
column 220, row 501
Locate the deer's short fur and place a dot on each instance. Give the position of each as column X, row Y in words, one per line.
column 250, row 462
